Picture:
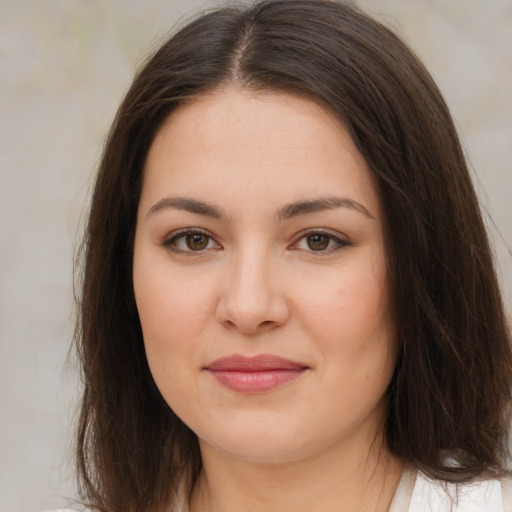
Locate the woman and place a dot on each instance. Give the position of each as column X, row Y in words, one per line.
column 288, row 296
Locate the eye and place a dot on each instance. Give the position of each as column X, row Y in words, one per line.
column 189, row 241
column 319, row 241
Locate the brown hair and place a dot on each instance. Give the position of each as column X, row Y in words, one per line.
column 448, row 402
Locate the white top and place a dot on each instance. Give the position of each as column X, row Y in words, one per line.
column 417, row 493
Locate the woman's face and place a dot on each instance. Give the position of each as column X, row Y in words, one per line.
column 260, row 278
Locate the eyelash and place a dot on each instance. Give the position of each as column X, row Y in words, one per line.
column 170, row 242
column 339, row 242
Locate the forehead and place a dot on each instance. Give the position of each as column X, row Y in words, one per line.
column 263, row 143
column 237, row 117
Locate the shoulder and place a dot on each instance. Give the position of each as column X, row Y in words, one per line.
column 486, row 495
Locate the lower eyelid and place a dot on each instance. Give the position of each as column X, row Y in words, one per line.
column 169, row 242
column 339, row 241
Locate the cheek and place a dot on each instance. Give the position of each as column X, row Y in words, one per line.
column 171, row 320
column 171, row 307
column 350, row 319
column 348, row 303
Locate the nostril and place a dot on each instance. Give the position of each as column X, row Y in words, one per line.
column 250, row 303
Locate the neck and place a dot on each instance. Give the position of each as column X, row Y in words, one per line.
column 339, row 479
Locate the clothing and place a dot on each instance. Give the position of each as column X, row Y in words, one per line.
column 418, row 493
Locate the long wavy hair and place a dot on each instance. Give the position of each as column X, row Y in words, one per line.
column 448, row 401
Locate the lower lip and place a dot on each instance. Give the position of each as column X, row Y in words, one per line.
column 257, row 381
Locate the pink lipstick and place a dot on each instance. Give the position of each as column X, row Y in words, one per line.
column 255, row 374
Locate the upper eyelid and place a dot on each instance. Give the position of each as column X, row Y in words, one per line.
column 322, row 231
column 168, row 238
column 339, row 237
column 340, row 240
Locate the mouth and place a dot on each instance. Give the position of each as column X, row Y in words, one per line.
column 256, row 374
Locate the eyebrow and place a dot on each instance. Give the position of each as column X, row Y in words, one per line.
column 288, row 211
column 324, row 203
column 189, row 205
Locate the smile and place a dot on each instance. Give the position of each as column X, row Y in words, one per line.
column 255, row 374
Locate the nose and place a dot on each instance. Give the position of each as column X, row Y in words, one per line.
column 252, row 298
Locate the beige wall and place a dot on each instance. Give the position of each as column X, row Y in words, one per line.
column 64, row 65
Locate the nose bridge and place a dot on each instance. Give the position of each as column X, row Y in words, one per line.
column 252, row 299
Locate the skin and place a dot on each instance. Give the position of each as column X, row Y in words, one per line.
column 262, row 278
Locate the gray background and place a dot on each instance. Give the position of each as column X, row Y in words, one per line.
column 64, row 66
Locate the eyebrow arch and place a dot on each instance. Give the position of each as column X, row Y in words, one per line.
column 286, row 212
column 189, row 205
column 324, row 203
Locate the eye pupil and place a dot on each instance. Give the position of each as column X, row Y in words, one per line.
column 318, row 242
column 196, row 241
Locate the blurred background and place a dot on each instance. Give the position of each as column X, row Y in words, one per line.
column 64, row 66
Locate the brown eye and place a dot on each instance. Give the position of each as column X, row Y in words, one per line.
column 190, row 241
column 318, row 242
column 321, row 242
column 196, row 241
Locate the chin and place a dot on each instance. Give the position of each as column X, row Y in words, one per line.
column 260, row 451
column 261, row 443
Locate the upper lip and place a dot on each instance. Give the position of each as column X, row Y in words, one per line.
column 262, row 362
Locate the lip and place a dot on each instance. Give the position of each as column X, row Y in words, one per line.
column 255, row 374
